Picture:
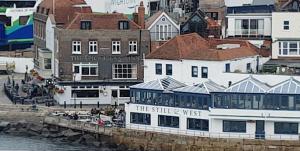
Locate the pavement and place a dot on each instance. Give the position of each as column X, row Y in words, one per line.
column 3, row 79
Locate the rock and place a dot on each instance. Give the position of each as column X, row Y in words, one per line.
column 97, row 144
column 4, row 125
column 71, row 135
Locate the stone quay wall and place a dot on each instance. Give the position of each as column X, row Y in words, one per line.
column 139, row 140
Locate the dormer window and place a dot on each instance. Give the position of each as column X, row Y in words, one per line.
column 123, row 25
column 85, row 25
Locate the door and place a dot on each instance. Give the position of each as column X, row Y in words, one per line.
column 114, row 97
column 260, row 130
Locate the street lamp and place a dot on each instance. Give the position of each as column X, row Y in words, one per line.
column 74, row 92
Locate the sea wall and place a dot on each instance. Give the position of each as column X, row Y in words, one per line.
column 21, row 120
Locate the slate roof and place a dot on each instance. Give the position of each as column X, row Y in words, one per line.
column 101, row 21
column 290, row 86
column 194, row 47
column 165, row 84
column 203, row 88
column 248, row 85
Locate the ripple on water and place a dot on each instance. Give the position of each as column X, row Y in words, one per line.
column 17, row 143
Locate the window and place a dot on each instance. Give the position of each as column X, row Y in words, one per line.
column 133, row 47
column 123, row 25
column 289, row 48
column 248, row 67
column 249, row 27
column 286, row 25
column 86, row 93
column 6, row 20
column 85, row 25
column 124, row 93
column 88, row 70
column 168, row 121
column 227, row 67
column 169, row 69
column 204, row 72
column 197, row 124
column 76, row 47
column 23, row 20
column 163, row 32
column 116, row 47
column 140, row 118
column 47, row 63
column 234, row 126
column 93, row 47
column 285, row 128
column 76, row 69
column 124, row 71
column 158, row 69
column 194, row 71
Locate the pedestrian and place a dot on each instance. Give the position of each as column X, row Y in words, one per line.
column 17, row 88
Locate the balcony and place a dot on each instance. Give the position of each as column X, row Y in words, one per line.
column 247, row 33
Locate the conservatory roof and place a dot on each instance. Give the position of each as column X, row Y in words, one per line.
column 248, row 85
column 290, row 86
column 165, row 84
column 203, row 88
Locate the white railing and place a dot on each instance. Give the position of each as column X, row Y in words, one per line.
column 247, row 32
column 225, row 135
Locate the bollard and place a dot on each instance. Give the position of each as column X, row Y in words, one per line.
column 98, row 104
column 65, row 104
column 81, row 104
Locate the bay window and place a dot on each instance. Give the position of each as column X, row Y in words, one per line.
column 289, row 48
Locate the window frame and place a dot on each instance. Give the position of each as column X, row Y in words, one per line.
column 195, row 71
column 116, row 47
column 76, row 47
column 286, row 25
column 156, row 69
column 169, row 69
column 284, row 130
column 144, row 116
column 231, row 126
column 85, row 25
column 133, row 47
column 204, row 74
column 132, row 69
column 93, row 44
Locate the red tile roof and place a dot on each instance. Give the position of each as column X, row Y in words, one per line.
column 64, row 10
column 101, row 21
column 194, row 47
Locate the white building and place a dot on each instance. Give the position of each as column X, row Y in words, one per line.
column 250, row 22
column 192, row 59
column 285, row 35
column 249, row 109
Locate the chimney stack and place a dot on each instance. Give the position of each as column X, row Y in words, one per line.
column 141, row 15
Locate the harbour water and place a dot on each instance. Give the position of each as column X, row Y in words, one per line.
column 17, row 143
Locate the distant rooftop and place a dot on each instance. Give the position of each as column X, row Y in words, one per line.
column 251, row 9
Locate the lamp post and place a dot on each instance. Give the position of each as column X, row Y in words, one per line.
column 74, row 93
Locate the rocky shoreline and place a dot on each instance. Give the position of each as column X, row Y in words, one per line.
column 54, row 133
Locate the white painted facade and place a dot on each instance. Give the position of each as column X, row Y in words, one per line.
column 182, row 69
column 105, row 96
column 128, row 6
column 279, row 34
column 20, row 63
column 264, row 29
column 215, row 117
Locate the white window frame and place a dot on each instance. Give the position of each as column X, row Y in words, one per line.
column 133, row 69
column 114, row 45
column 281, row 47
column 89, row 65
column 93, row 47
column 76, row 47
column 166, row 32
column 133, row 47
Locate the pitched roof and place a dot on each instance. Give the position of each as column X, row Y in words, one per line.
column 101, row 21
column 248, row 85
column 203, row 88
column 290, row 86
column 194, row 47
column 154, row 18
column 64, row 10
column 165, row 84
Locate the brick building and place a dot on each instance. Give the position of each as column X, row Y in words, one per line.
column 96, row 57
